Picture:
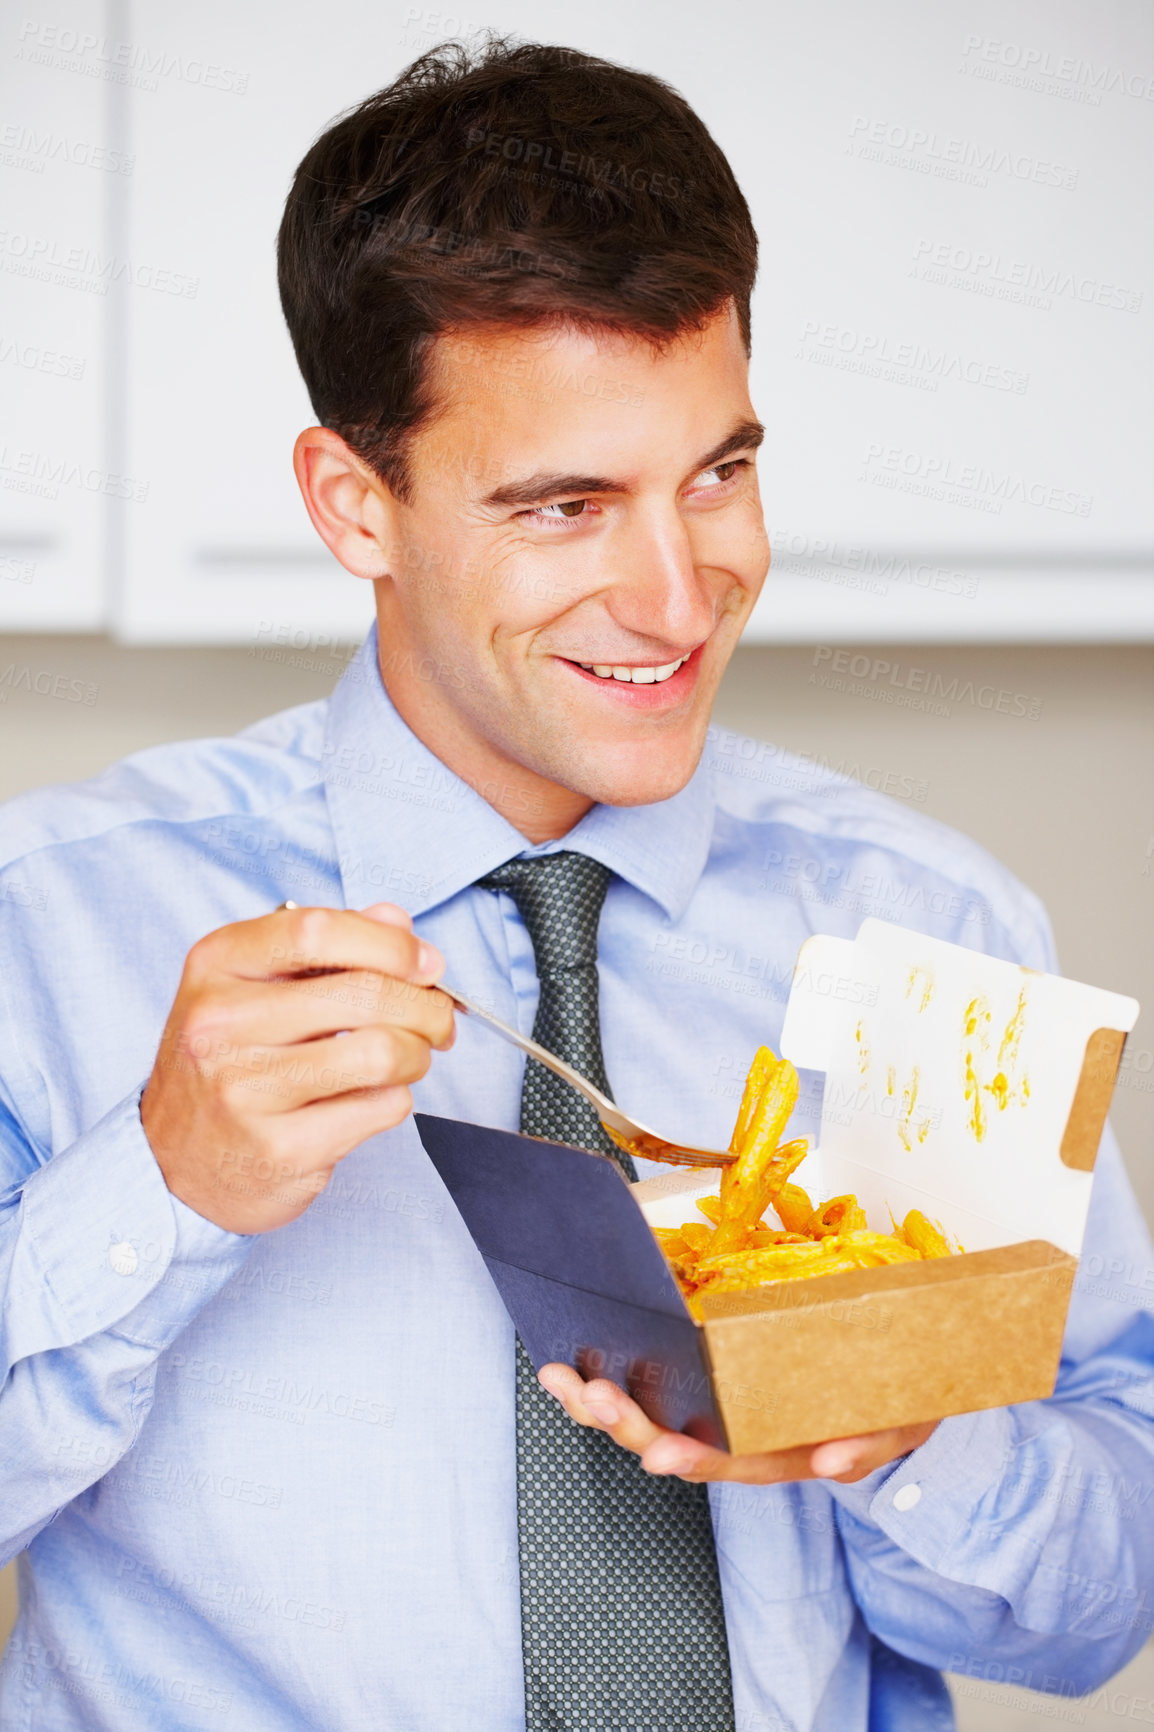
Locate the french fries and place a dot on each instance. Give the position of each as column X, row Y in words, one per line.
column 734, row 1248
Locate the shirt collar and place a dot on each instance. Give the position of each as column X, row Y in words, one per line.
column 392, row 800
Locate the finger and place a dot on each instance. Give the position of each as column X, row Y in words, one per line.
column 311, row 1142
column 325, row 1131
column 600, row 1404
column 296, row 1167
column 388, row 914
column 848, row 1459
column 302, row 1009
column 603, row 1405
column 232, row 1014
column 568, row 1386
column 775, row 1467
column 284, row 1078
column 294, row 941
column 608, row 1408
column 691, row 1459
column 687, row 1457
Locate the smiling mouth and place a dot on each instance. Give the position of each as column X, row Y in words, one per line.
column 634, row 676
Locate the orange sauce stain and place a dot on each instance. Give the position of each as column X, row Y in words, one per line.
column 1004, row 1088
column 1012, row 1038
column 909, row 1102
column 1005, row 1085
column 974, row 1096
column 976, row 1026
column 922, row 973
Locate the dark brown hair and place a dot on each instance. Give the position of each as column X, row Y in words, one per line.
column 511, row 183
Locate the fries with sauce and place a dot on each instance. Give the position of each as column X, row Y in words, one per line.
column 736, row 1246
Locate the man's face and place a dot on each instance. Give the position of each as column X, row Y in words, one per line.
column 583, row 545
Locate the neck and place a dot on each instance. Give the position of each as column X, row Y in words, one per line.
column 541, row 810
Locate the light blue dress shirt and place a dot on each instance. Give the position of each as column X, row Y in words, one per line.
column 267, row 1483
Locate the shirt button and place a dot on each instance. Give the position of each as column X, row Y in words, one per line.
column 123, row 1258
column 907, row 1496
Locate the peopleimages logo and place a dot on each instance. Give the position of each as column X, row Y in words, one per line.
column 35, row 359
column 879, row 356
column 50, row 260
column 135, row 63
column 989, row 55
column 830, row 560
column 541, row 156
column 1016, row 280
column 942, row 476
column 892, row 682
column 25, row 147
column 928, row 152
column 36, row 472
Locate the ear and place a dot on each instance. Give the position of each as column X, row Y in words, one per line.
column 352, row 509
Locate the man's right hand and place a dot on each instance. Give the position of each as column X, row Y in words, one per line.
column 258, row 1090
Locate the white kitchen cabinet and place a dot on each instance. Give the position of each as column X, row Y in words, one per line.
column 952, row 326
column 60, row 275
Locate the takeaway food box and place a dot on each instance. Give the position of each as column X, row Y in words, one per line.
column 967, row 1087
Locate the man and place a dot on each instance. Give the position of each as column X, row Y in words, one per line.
column 270, row 1450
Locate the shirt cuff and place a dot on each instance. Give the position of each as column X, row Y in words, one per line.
column 927, row 1502
column 100, row 1234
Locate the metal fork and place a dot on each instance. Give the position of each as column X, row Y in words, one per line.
column 629, row 1134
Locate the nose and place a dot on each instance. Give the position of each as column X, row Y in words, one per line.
column 660, row 593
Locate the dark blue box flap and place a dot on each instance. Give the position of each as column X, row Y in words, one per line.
column 581, row 1275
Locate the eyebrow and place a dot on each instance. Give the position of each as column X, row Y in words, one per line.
column 535, row 488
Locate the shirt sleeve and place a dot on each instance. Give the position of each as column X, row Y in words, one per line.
column 101, row 1267
column 1017, row 1543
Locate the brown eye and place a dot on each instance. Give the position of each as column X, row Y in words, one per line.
column 564, row 508
column 722, row 472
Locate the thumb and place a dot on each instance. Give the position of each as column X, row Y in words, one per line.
column 431, row 964
column 388, row 914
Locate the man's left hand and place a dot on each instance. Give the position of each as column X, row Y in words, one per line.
column 603, row 1406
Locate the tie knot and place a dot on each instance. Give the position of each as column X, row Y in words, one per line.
column 559, row 897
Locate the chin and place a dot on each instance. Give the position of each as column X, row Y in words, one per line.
column 640, row 780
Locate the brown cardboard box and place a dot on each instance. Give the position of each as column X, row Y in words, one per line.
column 958, row 1084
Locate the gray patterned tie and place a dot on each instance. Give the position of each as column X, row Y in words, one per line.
column 622, row 1624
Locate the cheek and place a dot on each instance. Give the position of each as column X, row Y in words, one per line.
column 527, row 588
column 730, row 542
column 740, row 545
column 444, row 599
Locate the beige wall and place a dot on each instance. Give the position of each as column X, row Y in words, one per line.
column 1064, row 794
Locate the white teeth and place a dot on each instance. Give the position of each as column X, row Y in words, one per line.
column 634, row 676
